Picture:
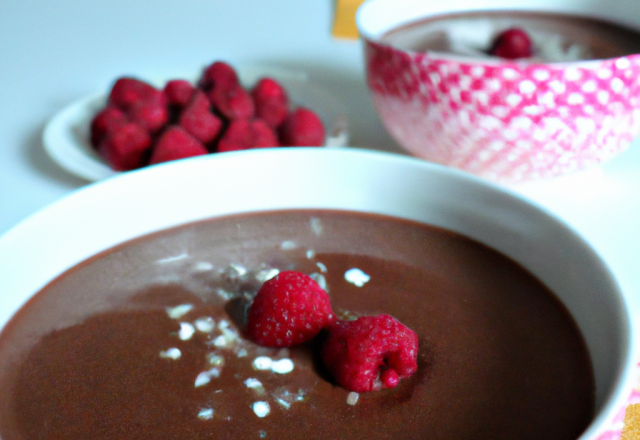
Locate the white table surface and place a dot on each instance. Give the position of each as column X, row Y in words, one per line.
column 52, row 53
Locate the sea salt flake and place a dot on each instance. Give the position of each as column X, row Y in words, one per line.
column 282, row 366
column 283, row 403
column 171, row 353
column 203, row 266
column 215, row 359
column 205, row 377
column 322, row 267
column 239, row 269
column 311, row 254
column 287, row 245
column 172, row 259
column 220, row 341
column 224, row 294
column 178, row 312
column 262, row 363
column 255, row 385
column 206, row 414
column 356, row 277
column 261, row 408
column 352, row 398
column 266, row 274
column 186, row 331
column 205, row 324
column 316, row 226
column 320, row 279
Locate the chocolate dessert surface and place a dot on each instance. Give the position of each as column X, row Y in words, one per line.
column 556, row 37
column 145, row 341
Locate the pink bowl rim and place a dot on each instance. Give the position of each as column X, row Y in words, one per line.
column 403, row 12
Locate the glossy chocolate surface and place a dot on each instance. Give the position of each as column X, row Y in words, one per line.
column 93, row 355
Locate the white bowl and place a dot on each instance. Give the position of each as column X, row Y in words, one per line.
column 98, row 217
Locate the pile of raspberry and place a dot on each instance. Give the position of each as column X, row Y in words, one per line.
column 366, row 354
column 143, row 125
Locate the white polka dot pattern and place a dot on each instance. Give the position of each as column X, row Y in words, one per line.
column 506, row 121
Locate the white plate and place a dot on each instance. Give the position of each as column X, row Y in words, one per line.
column 66, row 136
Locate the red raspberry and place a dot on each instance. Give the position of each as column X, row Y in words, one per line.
column 126, row 147
column 151, row 113
column 288, row 310
column 271, row 101
column 233, row 102
column 302, row 128
column 176, row 143
column 511, row 44
column 127, row 91
column 178, row 92
column 218, row 76
column 109, row 118
column 370, row 352
column 198, row 120
column 243, row 134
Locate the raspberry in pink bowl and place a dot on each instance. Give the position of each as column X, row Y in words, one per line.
column 446, row 96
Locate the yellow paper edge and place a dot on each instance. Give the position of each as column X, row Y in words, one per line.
column 344, row 21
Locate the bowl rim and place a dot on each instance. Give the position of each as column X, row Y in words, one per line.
column 627, row 14
column 46, row 225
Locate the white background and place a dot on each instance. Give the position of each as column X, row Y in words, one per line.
column 52, row 53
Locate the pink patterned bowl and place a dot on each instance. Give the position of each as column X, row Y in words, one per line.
column 506, row 120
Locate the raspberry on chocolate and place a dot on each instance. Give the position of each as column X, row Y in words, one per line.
column 289, row 309
column 243, row 134
column 107, row 119
column 178, row 92
column 175, row 143
column 150, row 113
column 198, row 119
column 370, row 353
column 512, row 44
column 271, row 101
column 302, row 128
column 126, row 147
column 127, row 91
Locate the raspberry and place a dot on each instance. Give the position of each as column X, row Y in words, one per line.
column 198, row 120
column 243, row 134
column 218, row 76
column 150, row 113
column 127, row 91
column 370, row 353
column 288, row 310
column 302, row 128
column 109, row 118
column 176, row 143
column 271, row 101
column 178, row 92
column 512, row 43
column 233, row 102
column 126, row 147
